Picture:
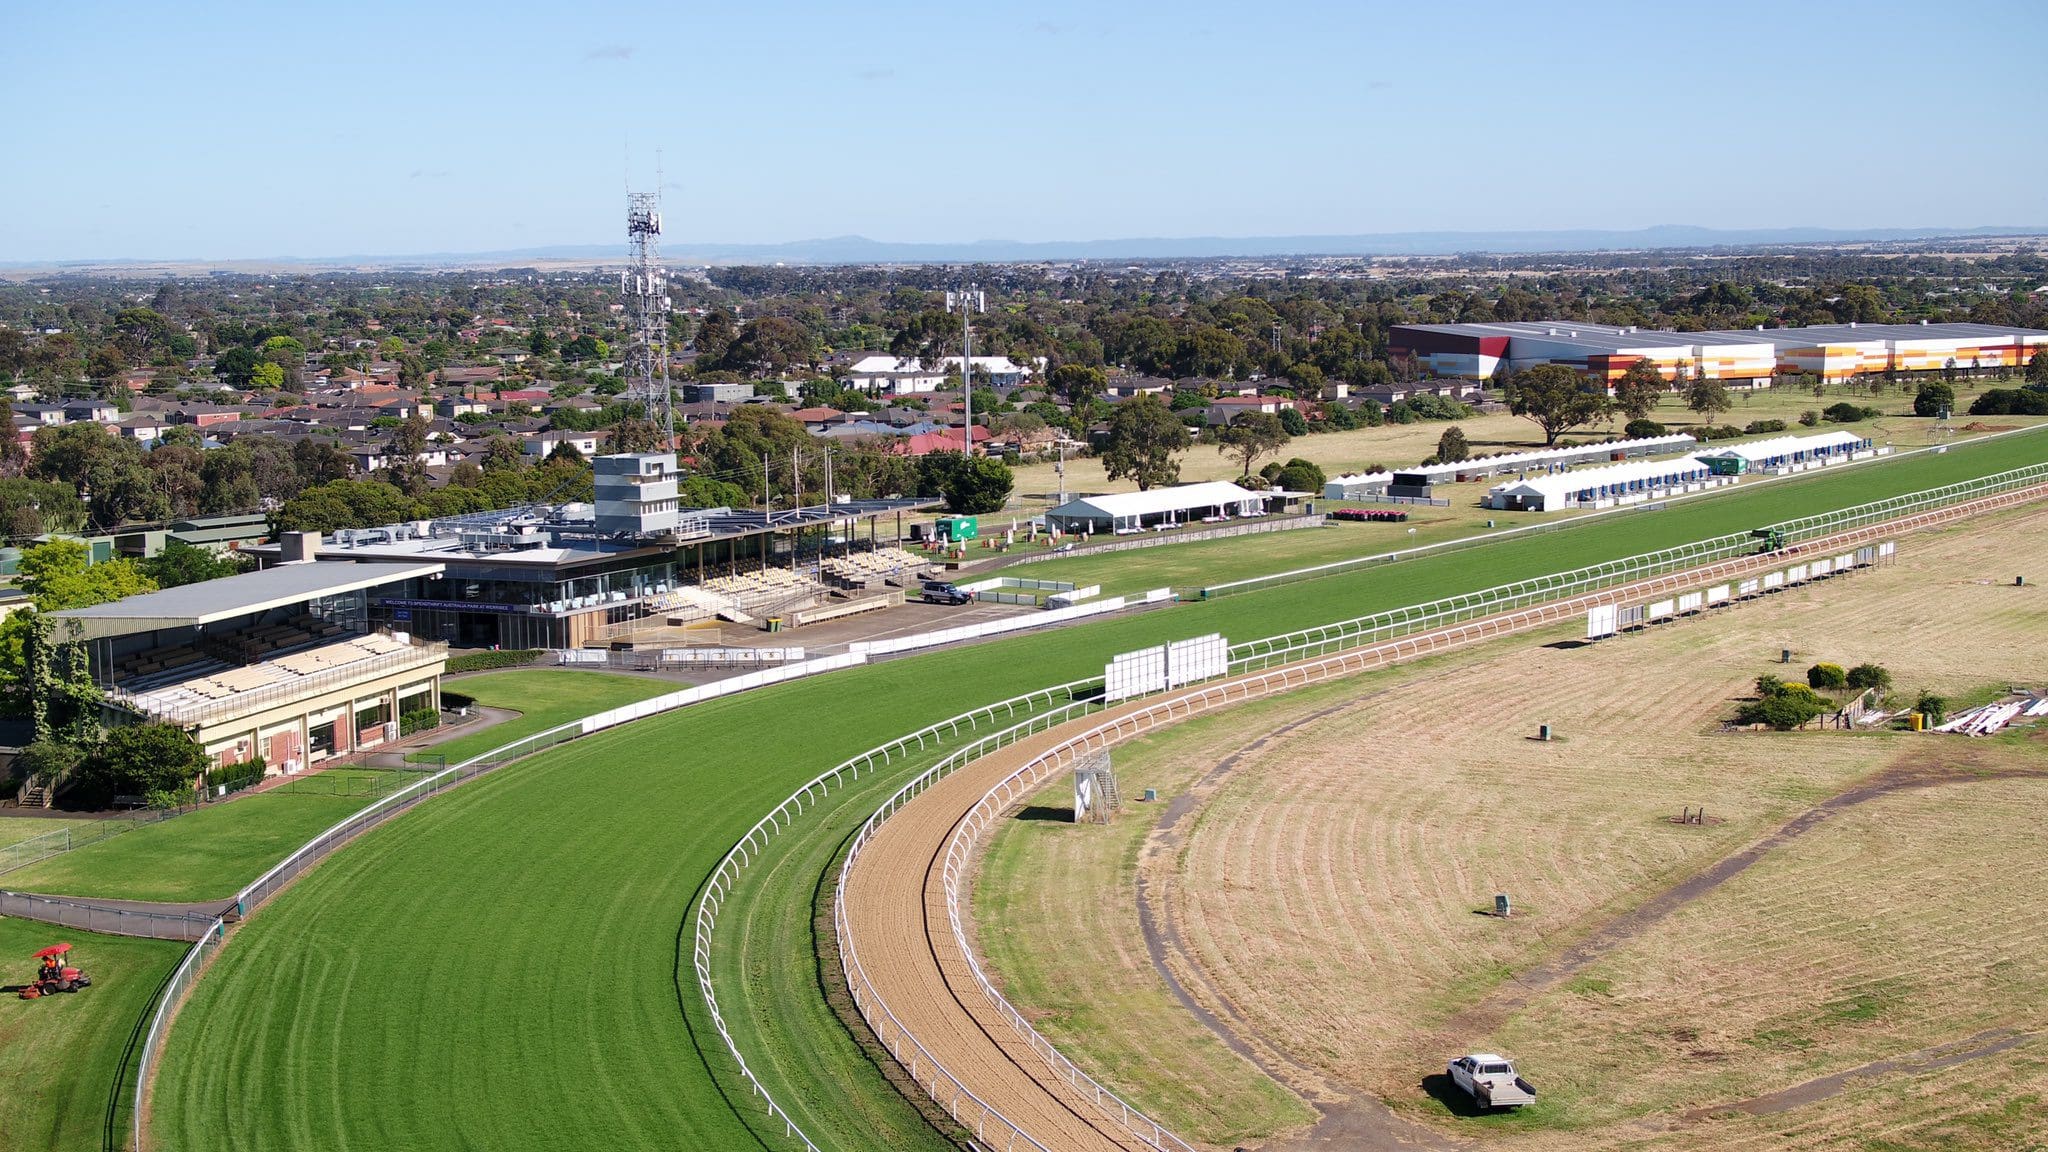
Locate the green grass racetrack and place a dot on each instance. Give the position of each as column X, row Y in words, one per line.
column 508, row 966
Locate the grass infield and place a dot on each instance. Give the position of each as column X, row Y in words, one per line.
column 60, row 1056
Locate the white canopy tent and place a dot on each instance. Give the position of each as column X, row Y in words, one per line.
column 1134, row 511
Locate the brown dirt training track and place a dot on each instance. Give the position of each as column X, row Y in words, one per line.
column 894, row 912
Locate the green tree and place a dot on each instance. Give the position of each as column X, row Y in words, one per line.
column 13, row 457
column 636, row 434
column 1639, row 390
column 976, row 486
column 144, row 758
column 105, row 363
column 1293, row 422
column 1299, row 475
column 1145, row 438
column 1708, row 397
column 266, row 377
column 1556, row 399
column 1933, row 399
column 58, row 575
column 341, row 504
column 1078, row 382
column 1208, row 351
column 236, row 365
column 1864, row 677
column 2037, row 368
column 538, row 343
column 181, row 563
column 1250, row 436
column 317, row 461
column 1451, row 447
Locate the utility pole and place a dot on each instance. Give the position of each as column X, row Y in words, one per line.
column 968, row 300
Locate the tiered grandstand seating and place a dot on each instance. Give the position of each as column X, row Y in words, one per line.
column 262, row 641
column 203, row 681
column 862, row 568
column 764, row 586
column 690, row 603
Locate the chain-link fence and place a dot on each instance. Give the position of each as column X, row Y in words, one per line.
column 112, row 919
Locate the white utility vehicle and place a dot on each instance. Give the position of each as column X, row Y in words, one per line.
column 1491, row 1080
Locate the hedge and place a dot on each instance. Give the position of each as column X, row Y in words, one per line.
column 236, row 777
column 418, row 720
column 485, row 661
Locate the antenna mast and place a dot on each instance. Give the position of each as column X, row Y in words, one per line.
column 646, row 292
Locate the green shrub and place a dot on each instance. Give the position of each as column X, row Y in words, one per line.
column 502, row 658
column 418, row 720
column 1716, row 432
column 1847, row 413
column 1933, row 399
column 1643, row 429
column 1783, row 711
column 1809, row 418
column 1760, row 427
column 1827, row 676
column 2011, row 402
column 1864, row 677
column 1934, row 707
column 236, row 777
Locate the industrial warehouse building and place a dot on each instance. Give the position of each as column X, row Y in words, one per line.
column 1745, row 358
column 281, row 663
column 1160, row 507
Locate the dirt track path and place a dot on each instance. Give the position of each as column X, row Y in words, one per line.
column 896, row 913
column 894, row 902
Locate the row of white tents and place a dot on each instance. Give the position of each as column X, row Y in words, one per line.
column 1654, row 479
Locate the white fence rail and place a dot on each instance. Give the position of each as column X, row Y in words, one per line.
column 1004, row 625
column 743, row 852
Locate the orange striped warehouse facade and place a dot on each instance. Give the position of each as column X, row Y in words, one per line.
column 1745, row 358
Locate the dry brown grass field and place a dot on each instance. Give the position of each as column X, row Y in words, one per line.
column 1320, row 898
column 1395, row 445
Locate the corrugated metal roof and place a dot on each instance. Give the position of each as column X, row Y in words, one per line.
column 193, row 605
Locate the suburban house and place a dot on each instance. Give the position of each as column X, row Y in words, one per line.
column 1224, row 409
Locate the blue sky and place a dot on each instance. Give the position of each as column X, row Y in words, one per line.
column 222, row 130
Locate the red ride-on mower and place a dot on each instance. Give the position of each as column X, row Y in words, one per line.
column 53, row 976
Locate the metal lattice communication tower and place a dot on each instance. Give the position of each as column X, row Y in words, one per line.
column 967, row 301
column 645, row 287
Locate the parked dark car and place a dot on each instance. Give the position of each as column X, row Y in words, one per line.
column 940, row 592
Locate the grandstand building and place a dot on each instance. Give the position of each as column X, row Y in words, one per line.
column 281, row 664
column 565, row 576
column 1744, row 358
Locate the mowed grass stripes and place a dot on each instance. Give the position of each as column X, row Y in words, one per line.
column 508, row 966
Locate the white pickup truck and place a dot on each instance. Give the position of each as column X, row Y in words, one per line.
column 1491, row 1080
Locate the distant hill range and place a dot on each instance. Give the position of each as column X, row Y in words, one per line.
column 861, row 250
